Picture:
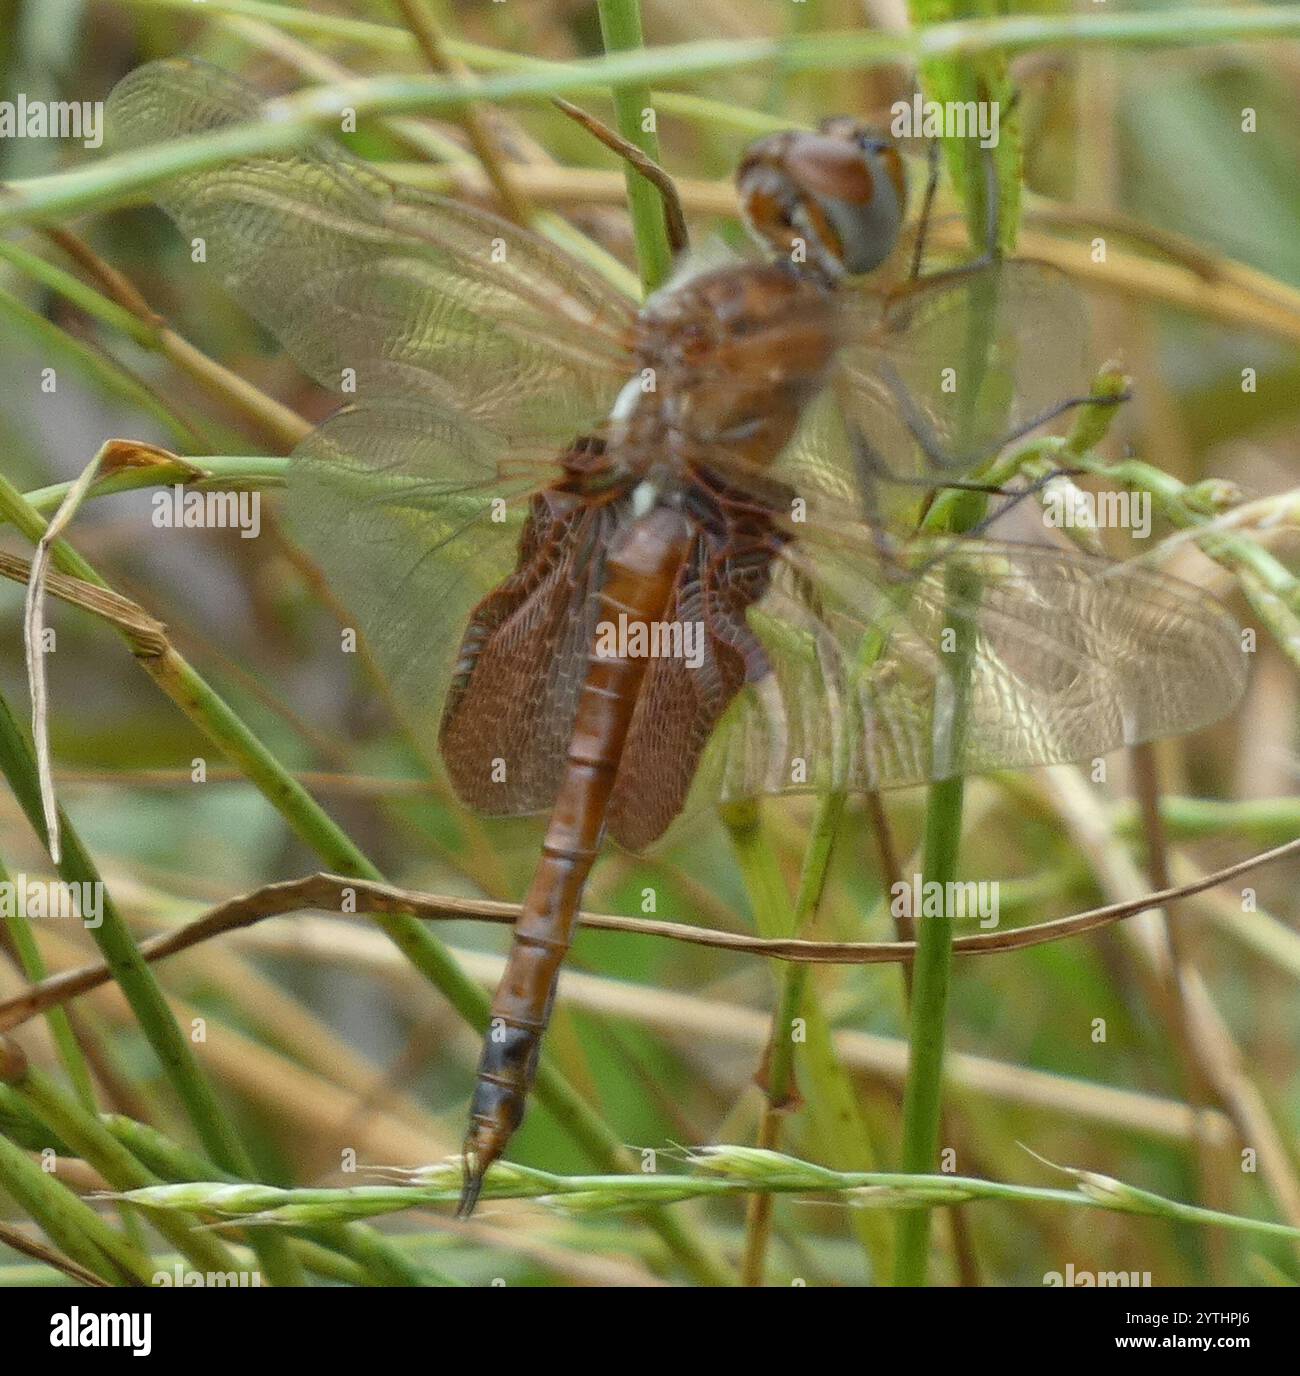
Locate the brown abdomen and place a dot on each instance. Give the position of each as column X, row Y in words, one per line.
column 639, row 577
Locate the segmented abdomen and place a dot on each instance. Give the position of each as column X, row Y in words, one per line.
column 638, row 585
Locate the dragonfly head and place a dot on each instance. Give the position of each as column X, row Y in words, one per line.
column 832, row 201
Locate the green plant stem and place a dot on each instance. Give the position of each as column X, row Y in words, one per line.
column 981, row 76
column 291, row 121
column 113, row 938
column 831, row 1097
column 780, row 1088
column 89, row 1139
column 932, row 969
column 813, row 51
column 226, row 470
column 1272, row 589
column 620, row 27
column 56, row 1019
column 722, row 1172
column 72, row 1225
column 138, row 985
column 374, row 1255
column 388, row 38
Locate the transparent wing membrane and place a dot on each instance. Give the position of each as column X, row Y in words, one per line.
column 933, row 379
column 395, row 502
column 1072, row 656
column 414, row 294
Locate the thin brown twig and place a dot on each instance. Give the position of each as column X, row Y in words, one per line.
column 1196, row 1085
column 115, row 285
column 334, row 894
column 678, row 236
column 429, row 37
column 146, row 634
column 38, row 1251
column 685, row 1019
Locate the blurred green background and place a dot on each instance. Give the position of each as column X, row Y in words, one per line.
column 320, row 1038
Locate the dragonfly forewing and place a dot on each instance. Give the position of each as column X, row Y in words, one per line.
column 510, row 713
column 375, row 288
column 933, row 378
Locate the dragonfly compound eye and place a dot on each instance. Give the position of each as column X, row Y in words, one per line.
column 833, row 200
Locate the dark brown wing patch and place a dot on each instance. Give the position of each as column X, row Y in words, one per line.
column 683, row 699
column 514, row 692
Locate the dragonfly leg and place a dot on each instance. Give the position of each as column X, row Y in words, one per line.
column 991, row 251
column 871, row 469
column 1016, row 495
column 674, row 217
column 941, row 459
column 1029, row 490
column 927, row 206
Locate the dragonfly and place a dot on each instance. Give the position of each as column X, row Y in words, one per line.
column 622, row 560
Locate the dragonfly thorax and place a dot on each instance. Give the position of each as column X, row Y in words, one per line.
column 728, row 359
